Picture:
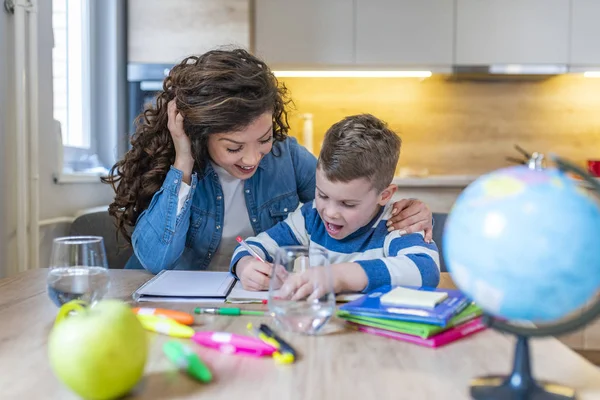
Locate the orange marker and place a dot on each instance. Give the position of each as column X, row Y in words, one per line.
column 179, row 316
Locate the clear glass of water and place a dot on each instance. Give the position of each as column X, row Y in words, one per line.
column 301, row 295
column 78, row 270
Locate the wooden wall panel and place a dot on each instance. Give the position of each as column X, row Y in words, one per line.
column 462, row 127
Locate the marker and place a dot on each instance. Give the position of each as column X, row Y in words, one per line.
column 249, row 249
column 166, row 326
column 284, row 347
column 281, row 356
column 179, row 316
column 226, row 311
column 182, row 356
column 231, row 343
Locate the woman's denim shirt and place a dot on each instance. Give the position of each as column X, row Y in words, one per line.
column 164, row 240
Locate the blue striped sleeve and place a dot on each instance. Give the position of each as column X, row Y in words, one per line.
column 377, row 274
column 412, row 261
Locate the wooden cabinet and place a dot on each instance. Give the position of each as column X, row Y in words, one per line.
column 585, row 33
column 304, row 32
column 512, row 32
column 404, row 32
column 162, row 31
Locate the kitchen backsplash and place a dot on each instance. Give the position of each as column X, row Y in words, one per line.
column 452, row 127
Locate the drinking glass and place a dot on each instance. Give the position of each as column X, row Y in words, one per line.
column 301, row 295
column 78, row 270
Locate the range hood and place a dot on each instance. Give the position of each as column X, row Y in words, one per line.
column 512, row 69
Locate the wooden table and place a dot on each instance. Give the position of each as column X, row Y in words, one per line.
column 340, row 365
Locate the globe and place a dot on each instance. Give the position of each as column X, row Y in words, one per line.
column 522, row 243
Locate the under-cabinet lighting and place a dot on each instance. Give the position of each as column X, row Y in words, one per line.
column 352, row 74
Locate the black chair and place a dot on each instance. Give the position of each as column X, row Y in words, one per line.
column 439, row 220
column 101, row 224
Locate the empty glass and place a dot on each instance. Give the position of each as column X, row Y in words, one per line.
column 78, row 270
column 301, row 295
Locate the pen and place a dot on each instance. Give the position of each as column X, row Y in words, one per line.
column 226, row 311
column 249, row 249
column 179, row 316
column 182, row 356
column 166, row 326
column 281, row 356
column 284, row 347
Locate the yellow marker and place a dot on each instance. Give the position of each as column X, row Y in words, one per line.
column 166, row 326
column 281, row 358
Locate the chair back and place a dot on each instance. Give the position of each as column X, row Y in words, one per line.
column 100, row 223
column 439, row 220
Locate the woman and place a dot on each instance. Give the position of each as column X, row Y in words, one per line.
column 212, row 161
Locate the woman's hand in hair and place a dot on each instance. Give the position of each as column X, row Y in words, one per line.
column 184, row 161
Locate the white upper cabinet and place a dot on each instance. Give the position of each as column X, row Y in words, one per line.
column 404, row 32
column 512, row 31
column 304, row 32
column 585, row 32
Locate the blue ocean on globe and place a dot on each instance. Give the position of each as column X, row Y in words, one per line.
column 524, row 244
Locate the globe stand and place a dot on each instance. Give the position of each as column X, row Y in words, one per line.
column 519, row 385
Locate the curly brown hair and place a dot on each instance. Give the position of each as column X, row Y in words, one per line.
column 219, row 91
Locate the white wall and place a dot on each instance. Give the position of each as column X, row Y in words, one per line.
column 5, row 39
column 55, row 200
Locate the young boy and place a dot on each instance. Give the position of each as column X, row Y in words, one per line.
column 348, row 217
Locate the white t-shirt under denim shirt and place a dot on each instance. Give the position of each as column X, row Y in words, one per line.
column 236, row 221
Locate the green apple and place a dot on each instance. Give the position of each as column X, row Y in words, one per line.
column 100, row 352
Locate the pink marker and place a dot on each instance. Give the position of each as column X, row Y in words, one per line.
column 249, row 249
column 230, row 343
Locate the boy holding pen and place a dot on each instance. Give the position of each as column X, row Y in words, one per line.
column 348, row 217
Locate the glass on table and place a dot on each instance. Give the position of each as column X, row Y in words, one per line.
column 301, row 295
column 78, row 270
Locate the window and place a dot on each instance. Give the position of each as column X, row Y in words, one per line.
column 71, row 70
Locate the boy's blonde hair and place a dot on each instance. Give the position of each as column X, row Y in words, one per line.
column 360, row 146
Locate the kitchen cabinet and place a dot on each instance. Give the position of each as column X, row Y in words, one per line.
column 585, row 31
column 165, row 32
column 512, row 32
column 304, row 33
column 404, row 32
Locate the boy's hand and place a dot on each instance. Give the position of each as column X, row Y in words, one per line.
column 410, row 216
column 184, row 161
column 253, row 274
column 310, row 284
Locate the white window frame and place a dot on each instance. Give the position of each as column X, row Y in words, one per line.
column 103, row 135
column 76, row 129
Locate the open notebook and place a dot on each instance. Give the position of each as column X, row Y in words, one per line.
column 203, row 287
column 196, row 287
column 240, row 296
column 186, row 286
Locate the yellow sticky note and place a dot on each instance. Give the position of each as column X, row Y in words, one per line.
column 406, row 297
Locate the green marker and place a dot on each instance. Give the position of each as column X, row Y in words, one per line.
column 185, row 358
column 226, row 311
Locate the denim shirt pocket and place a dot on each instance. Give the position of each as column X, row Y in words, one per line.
column 280, row 207
column 198, row 223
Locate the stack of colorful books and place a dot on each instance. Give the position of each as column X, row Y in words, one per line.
column 424, row 316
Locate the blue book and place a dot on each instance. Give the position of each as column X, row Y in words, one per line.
column 370, row 306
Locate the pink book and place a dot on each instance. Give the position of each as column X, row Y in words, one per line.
column 441, row 339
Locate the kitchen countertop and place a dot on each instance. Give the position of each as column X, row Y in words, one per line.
column 437, row 181
column 452, row 181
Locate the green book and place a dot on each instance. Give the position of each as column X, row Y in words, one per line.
column 413, row 328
